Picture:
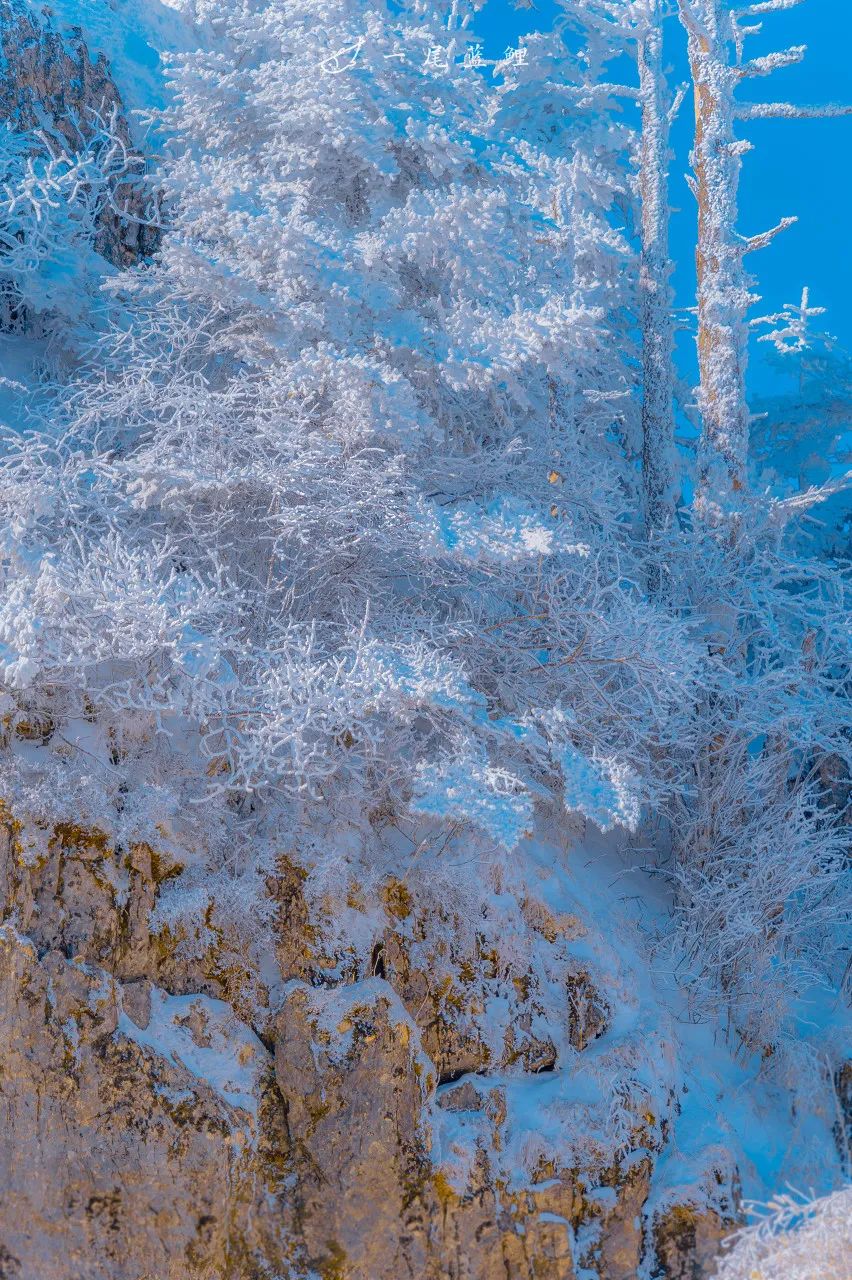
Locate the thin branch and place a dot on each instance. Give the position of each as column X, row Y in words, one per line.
column 788, row 111
column 689, row 19
column 786, row 508
column 766, row 237
column 765, row 6
column 677, row 103
column 772, row 62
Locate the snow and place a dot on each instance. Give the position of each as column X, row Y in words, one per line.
column 725, row 1110
column 206, row 1039
column 603, row 791
column 470, row 790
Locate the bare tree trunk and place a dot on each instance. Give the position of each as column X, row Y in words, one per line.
column 655, row 276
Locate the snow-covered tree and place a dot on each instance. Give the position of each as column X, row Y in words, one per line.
column 613, row 29
column 562, row 103
column 349, row 475
column 716, row 38
column 794, row 1238
column 800, row 435
column 759, row 860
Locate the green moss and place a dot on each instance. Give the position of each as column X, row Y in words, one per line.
column 397, row 899
column 332, row 1266
column 678, row 1229
column 166, row 942
column 444, row 1190
column 274, row 1142
column 162, row 871
column 317, row 1112
column 71, row 836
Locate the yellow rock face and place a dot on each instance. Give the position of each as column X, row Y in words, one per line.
column 164, row 1140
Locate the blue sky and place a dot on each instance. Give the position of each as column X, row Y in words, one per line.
column 797, row 167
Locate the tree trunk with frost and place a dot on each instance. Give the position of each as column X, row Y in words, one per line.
column 723, row 296
column 611, row 29
column 716, row 36
column 655, row 274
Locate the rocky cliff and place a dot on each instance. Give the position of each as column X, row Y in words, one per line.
column 166, row 1115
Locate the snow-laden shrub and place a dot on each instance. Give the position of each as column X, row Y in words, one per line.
column 52, row 204
column 348, row 500
column 796, row 1238
column 760, row 864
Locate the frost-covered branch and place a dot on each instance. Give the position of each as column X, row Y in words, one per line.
column 796, row 1237
column 53, row 206
column 765, row 6
column 772, row 62
column 789, row 111
column 753, row 243
column 786, row 508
